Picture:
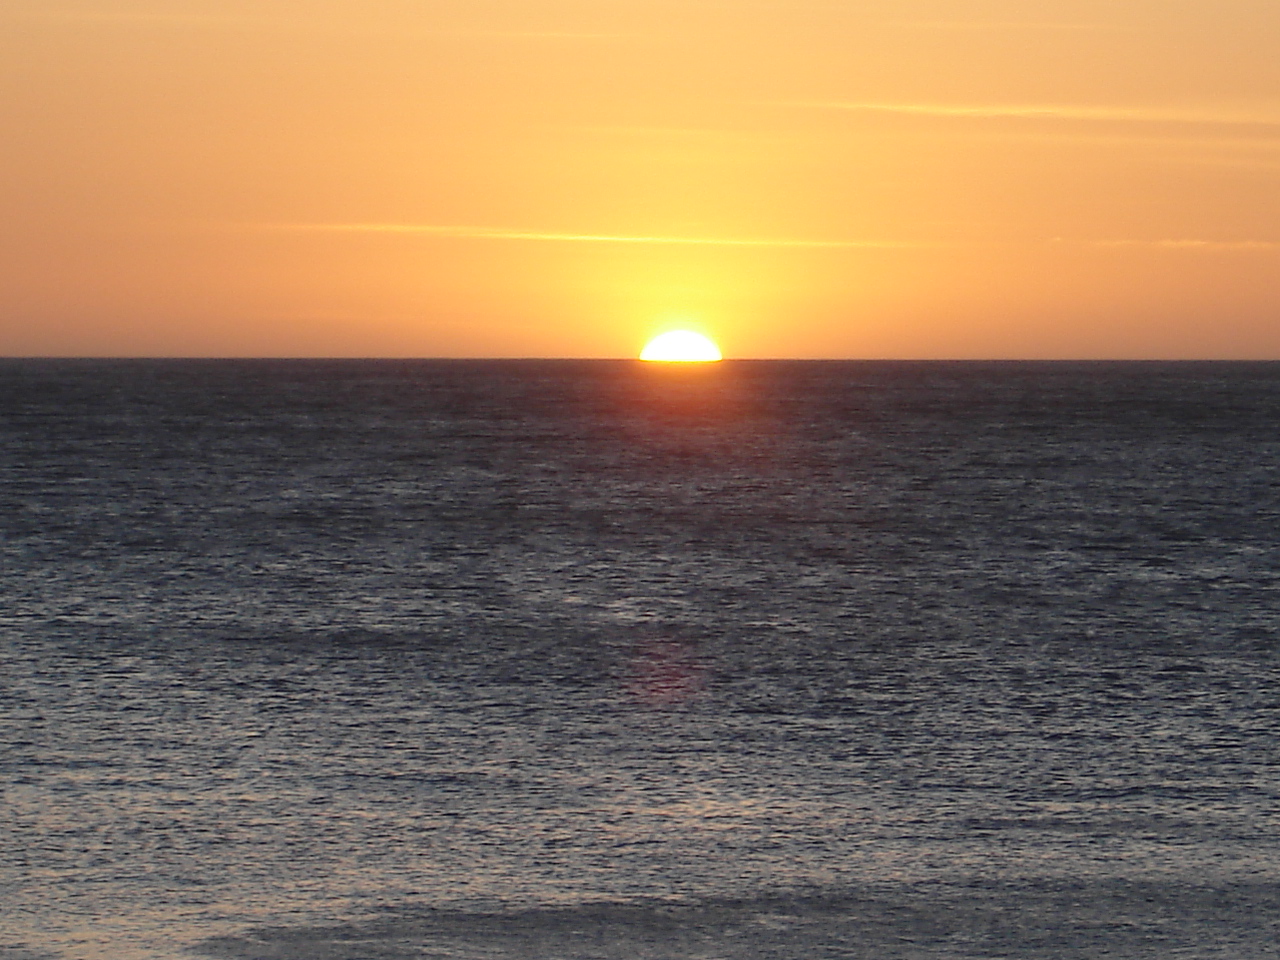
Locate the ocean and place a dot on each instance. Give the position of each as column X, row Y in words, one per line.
column 566, row 660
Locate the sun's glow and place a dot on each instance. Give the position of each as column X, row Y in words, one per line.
column 680, row 346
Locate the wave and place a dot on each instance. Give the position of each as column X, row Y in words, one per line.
column 1034, row 920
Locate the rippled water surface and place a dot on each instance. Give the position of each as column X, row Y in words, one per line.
column 356, row 660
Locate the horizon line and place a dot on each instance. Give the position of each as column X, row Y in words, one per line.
column 225, row 358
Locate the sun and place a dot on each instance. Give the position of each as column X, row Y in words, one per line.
column 680, row 346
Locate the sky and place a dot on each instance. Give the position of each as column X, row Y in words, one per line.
column 567, row 178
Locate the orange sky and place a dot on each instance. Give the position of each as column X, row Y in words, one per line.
column 799, row 178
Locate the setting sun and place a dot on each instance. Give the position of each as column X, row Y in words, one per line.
column 680, row 346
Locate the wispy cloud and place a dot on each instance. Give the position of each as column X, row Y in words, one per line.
column 156, row 18
column 508, row 233
column 1002, row 25
column 527, row 34
column 1043, row 112
column 553, row 236
column 1208, row 246
column 72, row 18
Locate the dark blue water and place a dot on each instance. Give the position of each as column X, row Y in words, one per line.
column 566, row 660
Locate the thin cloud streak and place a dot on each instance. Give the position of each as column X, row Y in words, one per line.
column 527, row 35
column 1206, row 245
column 1038, row 112
column 504, row 233
column 141, row 18
column 1002, row 25
column 138, row 18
